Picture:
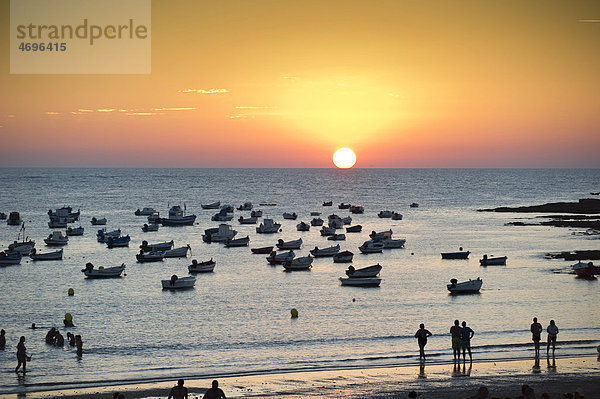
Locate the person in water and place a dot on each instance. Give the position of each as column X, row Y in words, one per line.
column 59, row 339
column 552, row 331
column 2, row 339
column 536, row 335
column 21, row 355
column 79, row 344
column 51, row 336
column 421, row 336
column 179, row 391
column 71, row 339
column 465, row 340
column 214, row 392
column 455, row 332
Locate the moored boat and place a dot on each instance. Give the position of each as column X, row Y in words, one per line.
column 56, row 239
column 214, row 205
column 324, row 252
column 344, row 206
column 180, row 252
column 57, row 223
column 247, row 206
column 497, row 261
column 177, row 217
column 103, row 236
column 178, row 283
column 396, row 216
column 303, row 226
column 23, row 244
column 145, row 212
column 361, row 281
column 238, row 242
column 369, row 271
column 279, row 258
column 262, row 250
column 219, row 234
column 357, row 209
column 202, row 267
column 250, row 220
column 144, row 257
column 150, row 227
column 158, row 247
column 294, row 244
column 337, row 237
column 391, row 243
column 118, row 242
column 343, row 257
column 456, row 255
column 66, row 212
column 327, row 231
column 586, row 270
column 222, row 216
column 98, row 222
column 268, row 226
column 75, row 231
column 414, row 205
column 301, row 263
column 465, row 287
column 385, row 214
column 103, row 272
column 290, row 216
column 381, row 235
column 354, row 229
column 256, row 214
column 328, row 203
column 56, row 255
column 14, row 219
column 371, row 247
column 316, row 222
column 12, row 258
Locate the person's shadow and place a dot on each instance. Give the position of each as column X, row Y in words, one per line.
column 536, row 366
column 422, row 369
column 551, row 366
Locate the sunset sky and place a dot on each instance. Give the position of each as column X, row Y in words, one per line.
column 285, row 83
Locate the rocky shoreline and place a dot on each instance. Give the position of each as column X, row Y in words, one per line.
column 583, row 206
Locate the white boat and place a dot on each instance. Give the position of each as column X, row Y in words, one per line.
column 56, row 239
column 23, row 244
column 75, row 231
column 303, row 226
column 103, row 272
column 337, row 237
column 12, row 258
column 14, row 219
column 150, row 227
column 301, row 263
column 343, row 257
column 177, row 217
column 396, row 216
column 316, row 222
column 221, row 216
column 219, row 234
column 256, row 214
column 321, row 253
column 361, row 281
column 294, row 244
column 103, row 235
column 391, row 243
column 118, row 242
column 385, row 214
column 268, row 226
column 279, row 258
column 250, row 220
column 290, row 216
column 98, row 222
column 344, row 206
column 247, row 206
column 154, row 218
column 57, row 223
column 158, row 247
column 145, row 212
column 56, row 255
column 327, row 231
column 202, row 267
column 497, row 261
column 66, row 212
column 238, row 242
column 180, row 252
column 145, row 257
column 465, row 287
column 178, row 283
column 214, row 205
column 371, row 247
column 381, row 236
column 369, row 271
column 354, row 229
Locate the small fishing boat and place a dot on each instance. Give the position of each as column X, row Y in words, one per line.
column 290, row 216
column 222, row 216
column 347, row 220
column 344, row 206
column 456, row 255
column 214, row 205
column 321, row 253
column 145, row 212
column 396, row 216
column 118, row 241
column 343, row 257
column 391, row 243
column 238, row 242
column 14, row 219
column 178, row 283
column 2, row 216
column 361, row 281
column 56, row 239
column 369, row 271
column 22, row 244
column 56, row 255
column 357, row 209
column 303, row 226
column 180, row 252
column 414, row 205
column 301, row 263
column 381, row 235
column 586, row 270
column 279, row 258
column 150, row 227
column 337, row 237
column 75, row 231
column 250, row 220
column 223, row 233
column 202, row 267
column 256, row 214
column 268, row 226
column 154, row 218
column 57, row 223
column 177, row 217
column 327, row 231
column 336, row 223
column 497, row 261
column 263, row 250
column 328, row 203
column 11, row 258
column 371, row 247
column 103, row 272
column 66, row 212
column 385, row 214
column 247, row 206
column 354, row 229
column 267, row 204
column 98, row 222
column 294, row 244
column 159, row 247
column 465, row 287
column 227, row 208
column 316, row 222
column 103, row 236
column 315, row 213
column 144, row 257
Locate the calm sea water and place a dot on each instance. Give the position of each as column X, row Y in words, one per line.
column 237, row 319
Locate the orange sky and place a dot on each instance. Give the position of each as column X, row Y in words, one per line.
column 285, row 83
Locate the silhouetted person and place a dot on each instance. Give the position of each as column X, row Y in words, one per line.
column 536, row 331
column 465, row 340
column 71, row 339
column 51, row 336
column 21, row 355
column 2, row 339
column 421, row 335
column 214, row 392
column 178, row 391
column 33, row 326
column 79, row 344
column 552, row 331
column 455, row 332
column 60, row 340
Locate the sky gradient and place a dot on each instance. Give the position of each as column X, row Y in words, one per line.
column 286, row 83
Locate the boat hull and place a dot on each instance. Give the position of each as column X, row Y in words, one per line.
column 361, row 282
column 179, row 284
column 500, row 261
column 455, row 255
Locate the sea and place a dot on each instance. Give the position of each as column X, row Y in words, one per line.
column 236, row 321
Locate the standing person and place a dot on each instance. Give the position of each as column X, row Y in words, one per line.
column 215, row 392
column 536, row 331
column 552, row 331
column 21, row 355
column 455, row 332
column 465, row 340
column 421, row 336
column 79, row 344
column 2, row 339
column 179, row 391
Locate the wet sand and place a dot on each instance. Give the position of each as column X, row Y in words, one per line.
column 433, row 381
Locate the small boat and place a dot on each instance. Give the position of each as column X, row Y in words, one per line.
column 14, row 219
column 222, row 216
column 177, row 217
column 336, row 223
column 103, row 272
column 154, row 218
column 227, row 208
column 118, row 241
column 381, row 235
column 267, row 204
column 2, row 216
column 357, row 209
column 466, row 287
column 497, row 261
column 150, row 227
column 263, row 250
column 56, row 255
column 303, row 226
column 316, row 222
column 202, row 267
column 343, row 257
column 23, row 244
column 344, row 206
column 75, row 231
column 145, row 212
column 214, row 205
column 247, row 206
column 301, row 263
column 159, row 247
column 294, row 244
column 347, row 220
column 337, row 237
column 280, row 258
column 144, row 257
column 396, row 216
column 327, row 231
column 56, row 239
column 369, row 271
column 256, row 214
column 250, row 220
column 586, row 270
column 456, row 255
column 371, row 247
column 66, row 212
column 290, row 216
column 361, row 281
column 385, row 214
column 178, row 283
column 593, row 193
column 57, row 223
column 238, row 242
column 223, row 233
column 180, row 252
column 98, row 222
column 103, row 236
column 414, row 205
column 391, row 243
column 321, row 253
column 328, row 203
column 354, row 229
column 12, row 258
column 268, row 226
column 315, row 213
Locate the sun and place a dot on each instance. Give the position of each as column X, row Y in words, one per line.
column 344, row 158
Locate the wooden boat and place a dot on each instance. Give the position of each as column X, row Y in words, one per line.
column 2, row 216
column 98, row 222
column 335, row 223
column 247, row 206
column 315, row 213
column 396, row 216
column 294, row 244
column 357, row 209
column 103, row 272
column 150, row 227
column 414, row 205
column 57, row 223
column 290, row 216
column 214, row 205
column 301, row 263
column 327, row 231
column 316, row 222
column 56, row 239
column 22, row 244
column 145, row 212
column 361, row 281
column 267, row 204
column 144, row 257
column 56, row 255
column 465, row 287
column 154, row 218
column 250, row 220
column 354, row 229
column 178, row 283
column 586, row 270
column 263, row 250
column 303, row 226
column 256, row 214
column 14, row 219
column 202, row 267
column 500, row 260
column 337, row 237
column 381, row 235
column 180, row 252
column 221, row 216
column 391, row 243
column 223, row 233
column 369, row 271
column 328, row 203
column 268, row 226
column 11, row 258
column 227, row 208
column 456, row 255
column 385, row 214
column 103, row 235
column 118, row 242
column 177, row 217
column 371, row 247
column 346, row 220
column 344, row 206
column 276, row 259
column 321, row 253
column 238, row 242
column 159, row 247
column 343, row 257
column 66, row 212
column 75, row 231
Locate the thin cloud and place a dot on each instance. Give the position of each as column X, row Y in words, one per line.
column 176, row 109
column 141, row 113
column 105, row 109
column 51, row 113
column 589, row 21
column 85, row 110
column 248, row 107
column 203, row 91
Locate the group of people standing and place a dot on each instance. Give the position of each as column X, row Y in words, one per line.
column 461, row 338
